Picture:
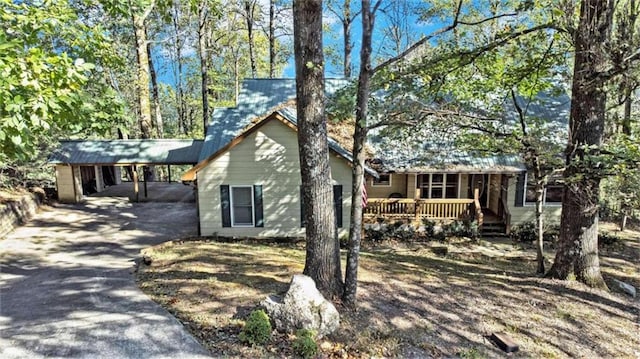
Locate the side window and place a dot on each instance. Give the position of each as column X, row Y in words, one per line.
column 553, row 191
column 241, row 206
column 383, row 180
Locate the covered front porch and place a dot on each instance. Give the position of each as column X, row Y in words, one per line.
column 441, row 197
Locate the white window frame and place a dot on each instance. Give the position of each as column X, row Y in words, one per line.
column 374, row 184
column 526, row 203
column 429, row 186
column 253, row 207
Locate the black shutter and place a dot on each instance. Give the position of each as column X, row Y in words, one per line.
column 225, row 205
column 302, row 222
column 520, row 187
column 337, row 203
column 257, row 205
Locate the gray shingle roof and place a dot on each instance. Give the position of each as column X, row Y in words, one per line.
column 257, row 97
column 431, row 149
column 139, row 151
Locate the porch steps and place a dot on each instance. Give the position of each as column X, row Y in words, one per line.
column 494, row 229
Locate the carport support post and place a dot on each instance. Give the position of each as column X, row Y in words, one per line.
column 144, row 178
column 169, row 172
column 135, row 183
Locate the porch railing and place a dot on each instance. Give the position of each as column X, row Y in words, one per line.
column 419, row 209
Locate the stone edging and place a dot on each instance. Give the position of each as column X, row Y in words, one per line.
column 14, row 213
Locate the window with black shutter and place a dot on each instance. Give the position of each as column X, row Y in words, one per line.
column 241, row 206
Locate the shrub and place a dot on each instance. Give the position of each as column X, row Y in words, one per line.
column 375, row 234
column 607, row 239
column 429, row 227
column 461, row 228
column 257, row 328
column 397, row 230
column 472, row 228
column 305, row 344
column 528, row 232
column 525, row 232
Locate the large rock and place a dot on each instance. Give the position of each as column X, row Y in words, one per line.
column 626, row 287
column 302, row 307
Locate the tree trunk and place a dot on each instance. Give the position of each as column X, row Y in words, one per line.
column 157, row 111
column 359, row 139
column 180, row 102
column 540, row 226
column 272, row 39
column 578, row 246
column 249, row 8
column 626, row 129
column 236, row 80
column 323, row 250
column 203, row 41
column 346, row 29
column 142, row 82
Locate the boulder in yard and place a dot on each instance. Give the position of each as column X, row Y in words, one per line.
column 302, row 307
column 626, row 287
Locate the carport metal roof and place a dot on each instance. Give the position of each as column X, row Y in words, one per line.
column 127, row 152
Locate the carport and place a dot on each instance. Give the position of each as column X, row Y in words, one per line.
column 100, row 162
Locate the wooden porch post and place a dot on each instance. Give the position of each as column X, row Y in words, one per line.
column 476, row 201
column 144, row 180
column 135, row 183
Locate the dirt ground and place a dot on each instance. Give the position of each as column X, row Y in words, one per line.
column 413, row 303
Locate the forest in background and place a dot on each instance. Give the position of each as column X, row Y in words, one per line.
column 157, row 68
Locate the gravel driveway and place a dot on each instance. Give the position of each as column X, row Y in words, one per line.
column 67, row 287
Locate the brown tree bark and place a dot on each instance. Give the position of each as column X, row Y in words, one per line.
column 203, row 51
column 346, row 18
column 323, row 250
column 357, row 172
column 183, row 124
column 541, row 180
column 155, row 96
column 577, row 252
column 143, row 79
column 272, row 39
column 346, row 29
column 249, row 10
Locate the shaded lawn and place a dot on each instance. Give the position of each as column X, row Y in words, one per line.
column 412, row 302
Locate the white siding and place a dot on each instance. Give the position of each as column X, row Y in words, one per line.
column 527, row 213
column 267, row 157
column 398, row 185
column 68, row 183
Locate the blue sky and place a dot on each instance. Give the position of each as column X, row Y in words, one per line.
column 413, row 27
column 333, row 38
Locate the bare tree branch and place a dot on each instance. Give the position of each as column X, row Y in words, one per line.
column 421, row 42
column 454, row 24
